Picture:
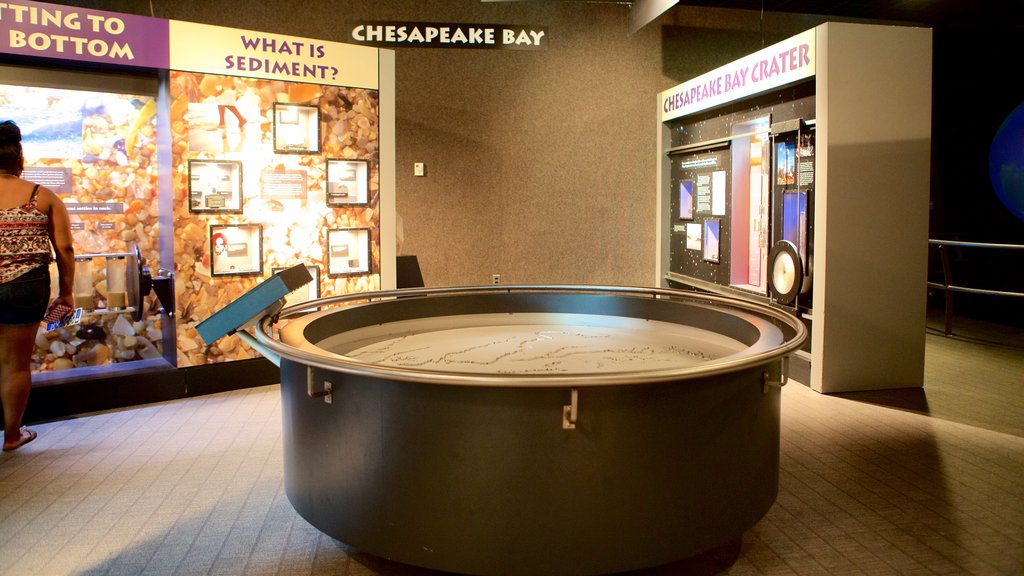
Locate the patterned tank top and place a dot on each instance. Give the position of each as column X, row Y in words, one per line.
column 24, row 240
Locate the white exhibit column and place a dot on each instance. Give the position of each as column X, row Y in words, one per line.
column 388, row 221
column 873, row 100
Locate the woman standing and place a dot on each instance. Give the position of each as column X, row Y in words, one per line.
column 32, row 220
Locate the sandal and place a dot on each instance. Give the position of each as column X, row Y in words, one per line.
column 26, row 437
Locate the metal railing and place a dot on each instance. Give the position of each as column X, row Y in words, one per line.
column 947, row 285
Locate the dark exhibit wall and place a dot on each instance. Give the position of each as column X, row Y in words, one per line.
column 973, row 97
column 540, row 165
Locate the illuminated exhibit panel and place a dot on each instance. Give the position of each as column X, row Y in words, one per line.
column 97, row 150
column 731, row 139
column 533, row 344
column 733, row 173
column 254, row 193
column 827, row 94
column 749, row 201
column 792, row 216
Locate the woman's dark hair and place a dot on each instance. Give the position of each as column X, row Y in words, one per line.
column 10, row 147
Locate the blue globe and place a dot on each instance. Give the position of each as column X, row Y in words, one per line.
column 1006, row 162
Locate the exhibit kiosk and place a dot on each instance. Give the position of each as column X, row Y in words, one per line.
column 799, row 176
column 526, row 430
column 195, row 161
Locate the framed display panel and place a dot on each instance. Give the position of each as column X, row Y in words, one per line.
column 712, row 246
column 348, row 251
column 794, row 221
column 785, row 163
column 309, row 292
column 686, row 200
column 348, row 182
column 296, row 128
column 693, row 232
column 236, row 249
column 215, row 186
column 700, row 172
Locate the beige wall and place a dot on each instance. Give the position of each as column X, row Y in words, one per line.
column 540, row 165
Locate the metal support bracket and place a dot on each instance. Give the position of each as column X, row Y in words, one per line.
column 571, row 410
column 776, row 375
column 326, row 393
column 258, row 346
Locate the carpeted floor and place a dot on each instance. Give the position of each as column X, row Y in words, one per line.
column 898, row 482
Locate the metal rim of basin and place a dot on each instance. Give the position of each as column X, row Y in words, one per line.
column 762, row 317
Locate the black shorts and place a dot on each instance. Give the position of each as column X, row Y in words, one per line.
column 24, row 299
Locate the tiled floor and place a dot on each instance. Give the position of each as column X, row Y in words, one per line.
column 901, row 482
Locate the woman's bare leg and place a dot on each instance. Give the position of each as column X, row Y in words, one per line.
column 16, row 343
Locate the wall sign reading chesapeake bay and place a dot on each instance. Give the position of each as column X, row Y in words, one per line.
column 450, row 35
column 52, row 31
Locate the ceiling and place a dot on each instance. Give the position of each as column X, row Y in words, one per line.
column 935, row 13
column 1008, row 14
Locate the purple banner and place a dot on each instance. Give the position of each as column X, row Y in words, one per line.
column 70, row 33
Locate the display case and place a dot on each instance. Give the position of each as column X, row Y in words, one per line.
column 296, row 128
column 348, row 251
column 286, row 212
column 797, row 176
column 188, row 176
column 93, row 139
column 792, row 233
column 347, row 182
column 215, row 186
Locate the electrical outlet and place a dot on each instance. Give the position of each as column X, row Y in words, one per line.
column 495, row 278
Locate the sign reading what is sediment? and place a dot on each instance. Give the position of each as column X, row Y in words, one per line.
column 254, row 54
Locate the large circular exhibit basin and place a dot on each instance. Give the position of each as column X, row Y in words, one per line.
column 532, row 429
